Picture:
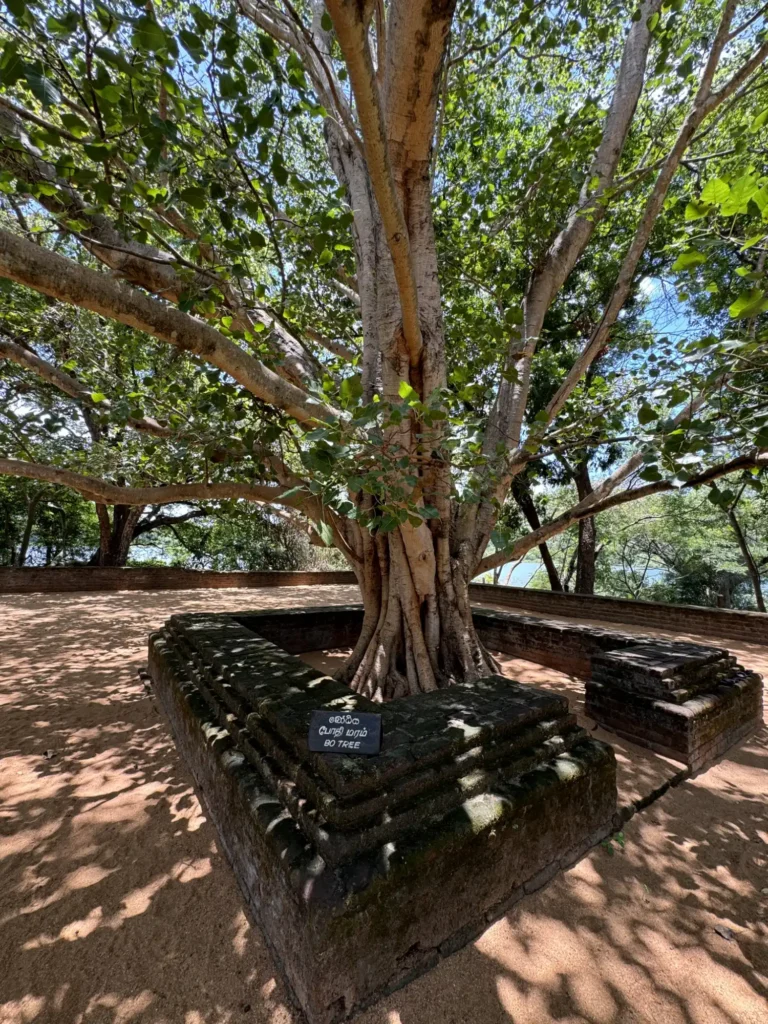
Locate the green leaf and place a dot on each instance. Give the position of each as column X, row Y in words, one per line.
column 326, row 22
column 760, row 199
column 11, row 65
column 42, row 87
column 686, row 260
column 75, row 125
column 742, row 191
column 279, row 170
column 351, row 389
column 715, row 192
column 62, row 26
column 748, row 304
column 195, row 196
column 695, row 211
column 759, row 120
column 149, row 36
column 406, row 392
column 325, row 533
column 97, row 396
column 646, row 414
column 192, row 44
column 752, row 241
column 299, row 489
column 16, row 7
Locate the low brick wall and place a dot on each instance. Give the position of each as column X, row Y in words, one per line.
column 93, row 578
column 717, row 622
column 480, row 794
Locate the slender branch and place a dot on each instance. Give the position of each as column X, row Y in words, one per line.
column 293, row 34
column 71, row 386
column 578, row 512
column 28, row 115
column 749, row 21
column 338, row 348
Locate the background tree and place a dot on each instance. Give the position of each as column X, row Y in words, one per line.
column 278, row 193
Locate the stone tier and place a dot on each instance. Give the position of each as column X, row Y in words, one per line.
column 686, row 701
column 480, row 794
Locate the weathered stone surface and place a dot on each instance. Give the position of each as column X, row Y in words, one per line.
column 686, row 701
column 478, row 792
column 565, row 646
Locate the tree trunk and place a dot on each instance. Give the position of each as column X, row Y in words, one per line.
column 115, row 537
column 586, row 558
column 417, row 633
column 524, row 499
column 31, row 513
column 752, row 569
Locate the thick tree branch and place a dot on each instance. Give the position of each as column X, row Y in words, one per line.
column 106, row 493
column 338, row 348
column 417, row 38
column 705, row 103
column 351, row 24
column 46, row 272
column 557, row 263
column 141, row 264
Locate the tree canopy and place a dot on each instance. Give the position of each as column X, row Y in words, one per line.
column 373, row 262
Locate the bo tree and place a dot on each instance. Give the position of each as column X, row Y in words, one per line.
column 361, row 216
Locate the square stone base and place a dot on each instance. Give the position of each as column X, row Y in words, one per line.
column 686, row 702
column 344, row 935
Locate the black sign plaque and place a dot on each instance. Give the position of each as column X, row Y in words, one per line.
column 345, row 732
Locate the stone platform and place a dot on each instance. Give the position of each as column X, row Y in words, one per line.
column 363, row 872
column 686, row 701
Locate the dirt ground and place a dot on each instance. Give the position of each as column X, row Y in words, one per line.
column 116, row 905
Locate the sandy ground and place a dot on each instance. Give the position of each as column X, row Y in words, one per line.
column 116, row 906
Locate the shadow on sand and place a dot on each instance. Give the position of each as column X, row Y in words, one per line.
column 116, row 906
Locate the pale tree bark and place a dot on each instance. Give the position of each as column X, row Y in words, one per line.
column 63, row 279
column 417, row 631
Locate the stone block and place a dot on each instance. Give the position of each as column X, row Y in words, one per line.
column 362, row 872
column 686, row 701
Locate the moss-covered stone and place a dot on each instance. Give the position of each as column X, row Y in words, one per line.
column 478, row 793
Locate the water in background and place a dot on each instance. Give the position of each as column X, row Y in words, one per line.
column 521, row 574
